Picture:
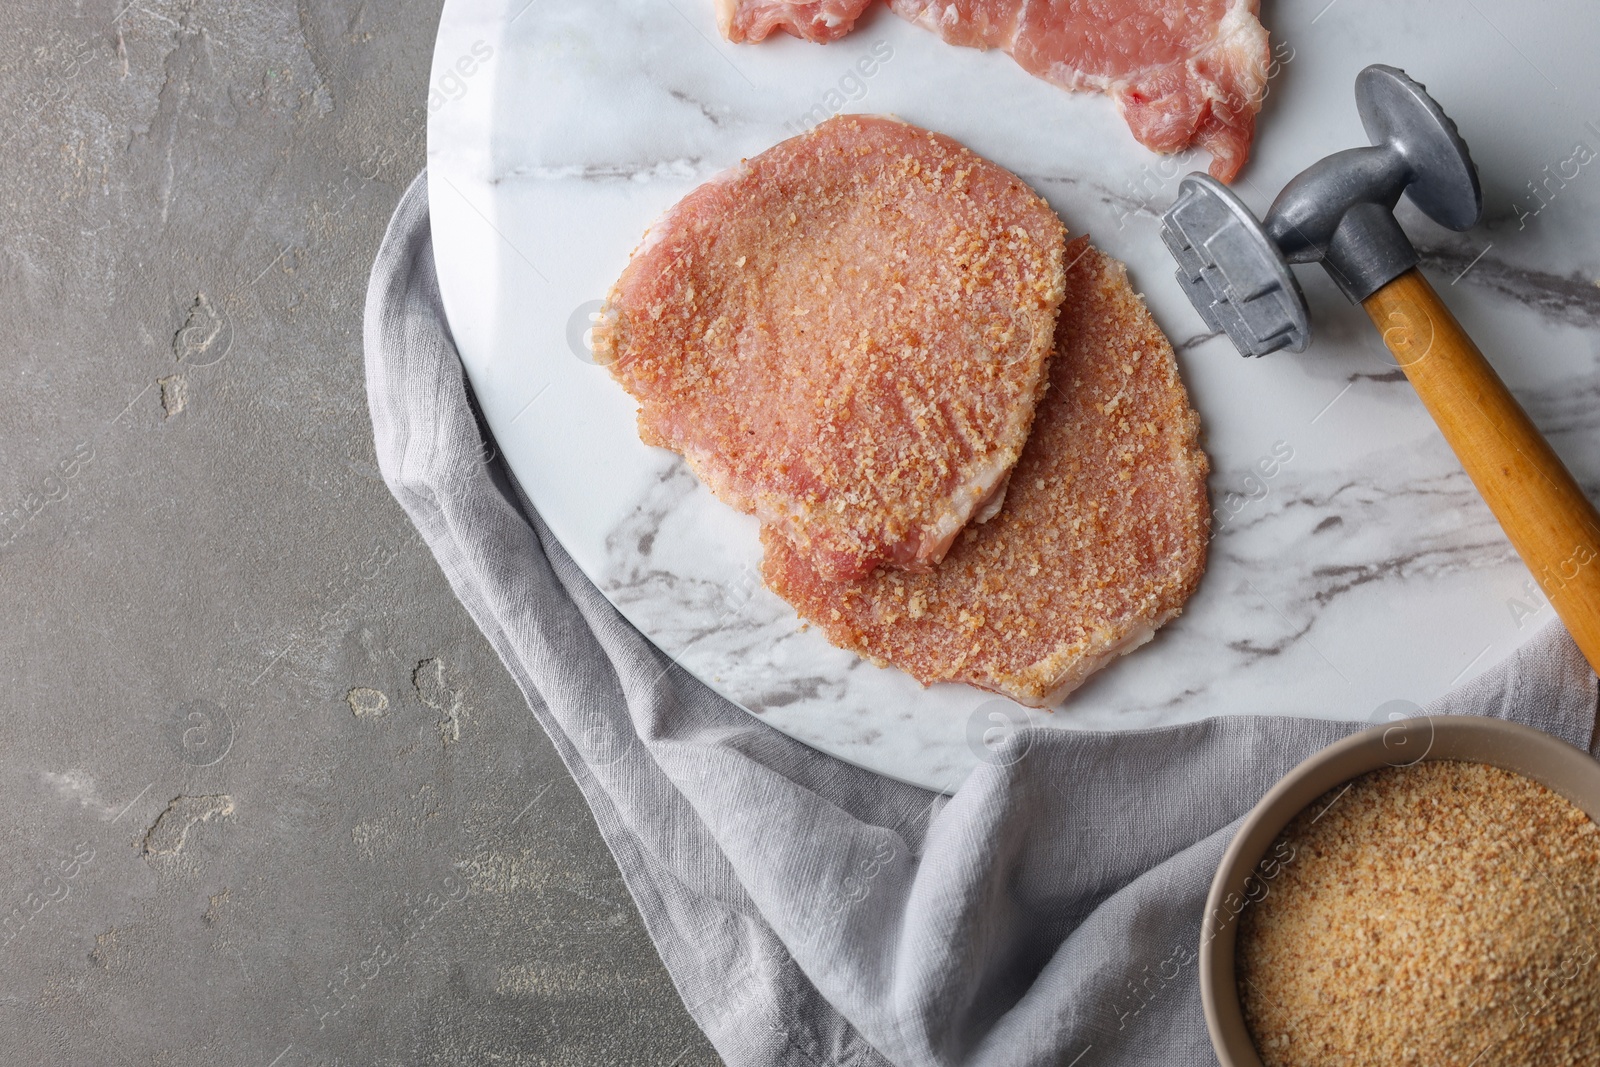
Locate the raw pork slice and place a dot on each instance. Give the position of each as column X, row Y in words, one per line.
column 1182, row 72
column 1101, row 540
column 813, row 20
column 846, row 336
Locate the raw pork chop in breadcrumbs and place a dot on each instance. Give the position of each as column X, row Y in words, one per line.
column 847, row 337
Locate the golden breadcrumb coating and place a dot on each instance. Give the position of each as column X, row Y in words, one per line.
column 846, row 336
column 1101, row 539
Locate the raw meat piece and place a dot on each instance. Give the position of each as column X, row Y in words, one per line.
column 1101, row 540
column 845, row 336
column 813, row 20
column 1182, row 72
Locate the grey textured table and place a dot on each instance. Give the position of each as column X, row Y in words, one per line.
column 269, row 798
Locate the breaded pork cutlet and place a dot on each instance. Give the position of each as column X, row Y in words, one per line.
column 846, row 336
column 1101, row 540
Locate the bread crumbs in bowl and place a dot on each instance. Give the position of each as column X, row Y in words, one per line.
column 1421, row 893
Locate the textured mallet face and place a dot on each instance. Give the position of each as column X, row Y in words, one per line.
column 1231, row 271
column 1101, row 540
column 846, row 336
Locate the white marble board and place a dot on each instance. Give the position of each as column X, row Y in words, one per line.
column 1364, row 570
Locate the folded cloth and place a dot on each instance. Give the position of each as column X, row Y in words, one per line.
column 811, row 912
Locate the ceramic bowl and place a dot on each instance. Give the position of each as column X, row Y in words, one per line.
column 1246, row 869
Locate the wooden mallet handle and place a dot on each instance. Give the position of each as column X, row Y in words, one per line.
column 1549, row 521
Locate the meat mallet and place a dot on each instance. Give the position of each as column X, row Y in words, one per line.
column 1340, row 212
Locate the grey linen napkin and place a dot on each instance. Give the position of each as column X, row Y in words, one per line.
column 811, row 912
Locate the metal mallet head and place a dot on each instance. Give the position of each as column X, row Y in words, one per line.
column 1339, row 212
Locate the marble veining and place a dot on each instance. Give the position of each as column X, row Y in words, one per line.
column 1352, row 563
